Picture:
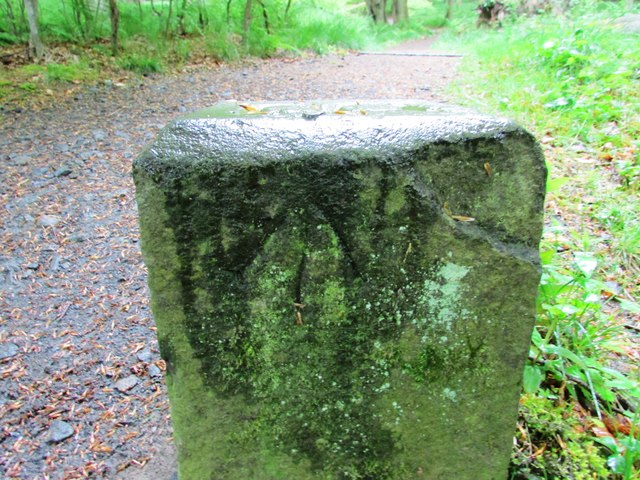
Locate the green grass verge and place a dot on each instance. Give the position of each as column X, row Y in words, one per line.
column 573, row 81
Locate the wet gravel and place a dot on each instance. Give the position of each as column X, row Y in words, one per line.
column 81, row 386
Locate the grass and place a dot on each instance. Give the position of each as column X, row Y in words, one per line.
column 573, row 82
column 154, row 42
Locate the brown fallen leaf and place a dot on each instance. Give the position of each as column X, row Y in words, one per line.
column 250, row 109
column 462, row 218
column 601, row 432
column 340, row 112
column 487, row 168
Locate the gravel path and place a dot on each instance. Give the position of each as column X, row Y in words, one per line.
column 81, row 386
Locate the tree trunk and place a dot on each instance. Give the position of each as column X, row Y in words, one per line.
column 167, row 30
column 286, row 12
column 449, row 13
column 115, row 20
column 246, row 22
column 228, row 12
column 377, row 10
column 400, row 10
column 265, row 16
column 36, row 50
column 182, row 31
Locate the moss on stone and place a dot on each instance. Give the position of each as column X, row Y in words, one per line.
column 328, row 318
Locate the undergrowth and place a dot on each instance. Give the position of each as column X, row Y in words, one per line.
column 156, row 38
column 573, row 81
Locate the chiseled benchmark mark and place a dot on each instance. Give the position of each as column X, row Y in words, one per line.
column 342, row 290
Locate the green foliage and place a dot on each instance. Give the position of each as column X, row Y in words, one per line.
column 141, row 64
column 71, row 72
column 317, row 25
column 563, row 450
column 574, row 339
column 28, row 86
column 573, row 81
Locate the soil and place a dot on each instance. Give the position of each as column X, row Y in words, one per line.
column 81, row 386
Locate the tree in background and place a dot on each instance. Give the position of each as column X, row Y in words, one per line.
column 114, row 13
column 377, row 10
column 36, row 50
column 400, row 10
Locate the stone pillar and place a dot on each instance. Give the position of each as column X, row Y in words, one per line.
column 342, row 290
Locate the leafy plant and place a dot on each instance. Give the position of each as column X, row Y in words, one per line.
column 141, row 64
column 573, row 81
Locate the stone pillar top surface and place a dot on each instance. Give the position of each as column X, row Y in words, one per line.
column 239, row 132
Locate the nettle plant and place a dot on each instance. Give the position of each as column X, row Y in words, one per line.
column 574, row 349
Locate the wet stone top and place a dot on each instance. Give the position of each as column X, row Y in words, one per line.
column 239, row 132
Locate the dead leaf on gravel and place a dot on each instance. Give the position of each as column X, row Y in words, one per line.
column 250, row 109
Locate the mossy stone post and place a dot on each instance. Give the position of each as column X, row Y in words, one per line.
column 342, row 290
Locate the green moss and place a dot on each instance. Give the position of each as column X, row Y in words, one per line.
column 569, row 451
column 329, row 320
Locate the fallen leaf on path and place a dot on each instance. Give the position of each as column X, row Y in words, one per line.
column 250, row 109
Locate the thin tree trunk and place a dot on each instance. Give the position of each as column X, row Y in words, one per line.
column 181, row 29
column 153, row 9
column 36, row 50
column 246, row 22
column 115, row 20
column 228, row 11
column 265, row 16
column 168, row 26
column 286, row 12
column 203, row 19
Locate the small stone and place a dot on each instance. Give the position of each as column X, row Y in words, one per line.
column 9, row 350
column 99, row 135
column 62, row 172
column 59, row 431
column 33, row 266
column 145, row 355
column 154, row 371
column 55, row 263
column 127, row 383
column 48, row 220
column 78, row 238
column 21, row 160
column 123, row 135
